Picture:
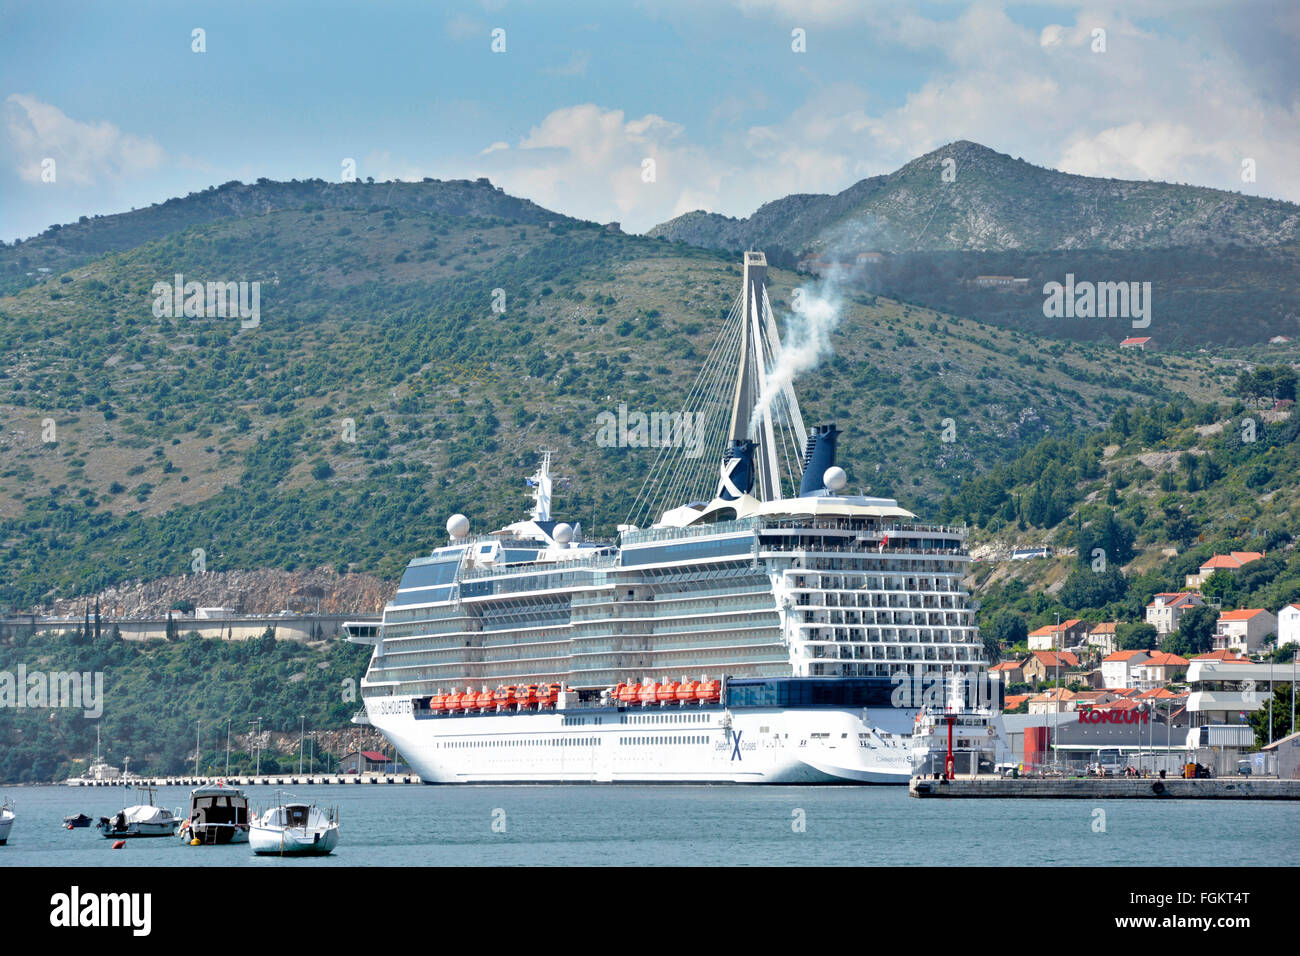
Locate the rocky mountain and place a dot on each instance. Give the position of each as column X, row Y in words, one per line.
column 989, row 201
column 261, row 591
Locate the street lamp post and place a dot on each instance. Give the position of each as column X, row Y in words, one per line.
column 302, row 737
column 227, row 746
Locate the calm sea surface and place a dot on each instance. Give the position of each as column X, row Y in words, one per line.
column 609, row 826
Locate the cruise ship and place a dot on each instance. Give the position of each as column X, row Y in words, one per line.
column 767, row 626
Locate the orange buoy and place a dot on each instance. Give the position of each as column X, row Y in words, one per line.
column 119, row 844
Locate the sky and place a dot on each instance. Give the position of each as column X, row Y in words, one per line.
column 637, row 110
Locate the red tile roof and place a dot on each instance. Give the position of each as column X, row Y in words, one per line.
column 1049, row 658
column 1161, row 659
column 1245, row 614
column 1121, row 656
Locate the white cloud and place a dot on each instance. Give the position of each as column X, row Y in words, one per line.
column 85, row 154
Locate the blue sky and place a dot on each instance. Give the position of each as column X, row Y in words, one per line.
column 585, row 92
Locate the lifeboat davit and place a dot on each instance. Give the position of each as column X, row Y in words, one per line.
column 708, row 690
column 667, row 693
column 649, row 692
column 686, row 690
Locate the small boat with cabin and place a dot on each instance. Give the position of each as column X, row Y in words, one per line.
column 140, row 820
column 218, row 816
column 295, row 829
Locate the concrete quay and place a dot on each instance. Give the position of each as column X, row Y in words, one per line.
column 1106, row 788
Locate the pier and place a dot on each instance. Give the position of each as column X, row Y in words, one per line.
column 255, row 780
column 1106, row 788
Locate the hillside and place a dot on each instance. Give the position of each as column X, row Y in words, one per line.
column 381, row 392
column 61, row 247
column 994, row 203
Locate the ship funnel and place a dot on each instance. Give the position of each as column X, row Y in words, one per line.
column 737, row 470
column 819, row 455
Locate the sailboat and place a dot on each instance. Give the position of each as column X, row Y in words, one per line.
column 295, row 829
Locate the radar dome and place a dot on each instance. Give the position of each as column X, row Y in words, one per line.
column 458, row 526
column 563, row 533
column 835, row 478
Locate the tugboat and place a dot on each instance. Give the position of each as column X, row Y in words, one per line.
column 218, row 815
column 140, row 820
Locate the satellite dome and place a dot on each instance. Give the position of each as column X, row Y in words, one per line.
column 835, row 478
column 458, row 526
column 563, row 533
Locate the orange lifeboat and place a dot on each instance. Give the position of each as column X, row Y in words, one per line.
column 504, row 698
column 667, row 693
column 526, row 696
column 649, row 692
column 629, row 694
column 437, row 702
column 616, row 694
column 485, row 701
column 548, row 695
column 686, row 690
column 468, row 700
column 708, row 690
column 451, row 701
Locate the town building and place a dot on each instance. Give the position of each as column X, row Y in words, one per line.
column 1165, row 610
column 1288, row 625
column 1104, row 637
column 1230, row 562
column 1048, row 665
column 1143, row 342
column 1245, row 630
column 1117, row 669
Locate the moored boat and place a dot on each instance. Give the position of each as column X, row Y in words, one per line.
column 140, row 820
column 76, row 821
column 218, row 816
column 6, row 821
column 295, row 829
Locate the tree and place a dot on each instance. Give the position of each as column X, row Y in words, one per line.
column 1197, row 626
column 1085, row 588
column 171, row 627
column 1136, row 637
column 1281, row 715
column 1220, row 586
column 1008, row 628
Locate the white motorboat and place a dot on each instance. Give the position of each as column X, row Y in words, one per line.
column 296, row 829
column 140, row 820
column 6, row 821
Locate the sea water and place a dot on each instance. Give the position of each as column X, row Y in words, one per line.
column 392, row 825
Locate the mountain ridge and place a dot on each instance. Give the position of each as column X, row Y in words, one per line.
column 993, row 203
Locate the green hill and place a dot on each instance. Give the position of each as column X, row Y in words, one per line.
column 175, row 434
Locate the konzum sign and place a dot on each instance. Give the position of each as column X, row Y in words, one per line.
column 1113, row 717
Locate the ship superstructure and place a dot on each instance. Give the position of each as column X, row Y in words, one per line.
column 761, row 635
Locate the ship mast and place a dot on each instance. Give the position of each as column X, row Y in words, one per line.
column 760, row 352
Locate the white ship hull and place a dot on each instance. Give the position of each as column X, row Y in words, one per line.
column 680, row 745
column 6, row 824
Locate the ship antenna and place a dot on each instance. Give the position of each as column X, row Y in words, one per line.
column 541, row 485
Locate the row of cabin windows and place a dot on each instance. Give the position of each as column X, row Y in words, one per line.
column 687, row 718
column 496, row 744
column 689, row 739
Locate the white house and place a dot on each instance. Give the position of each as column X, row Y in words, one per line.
column 1117, row 670
column 1288, row 624
column 1165, row 610
column 1244, row 630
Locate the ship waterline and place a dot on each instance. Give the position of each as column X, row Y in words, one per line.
column 510, row 657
